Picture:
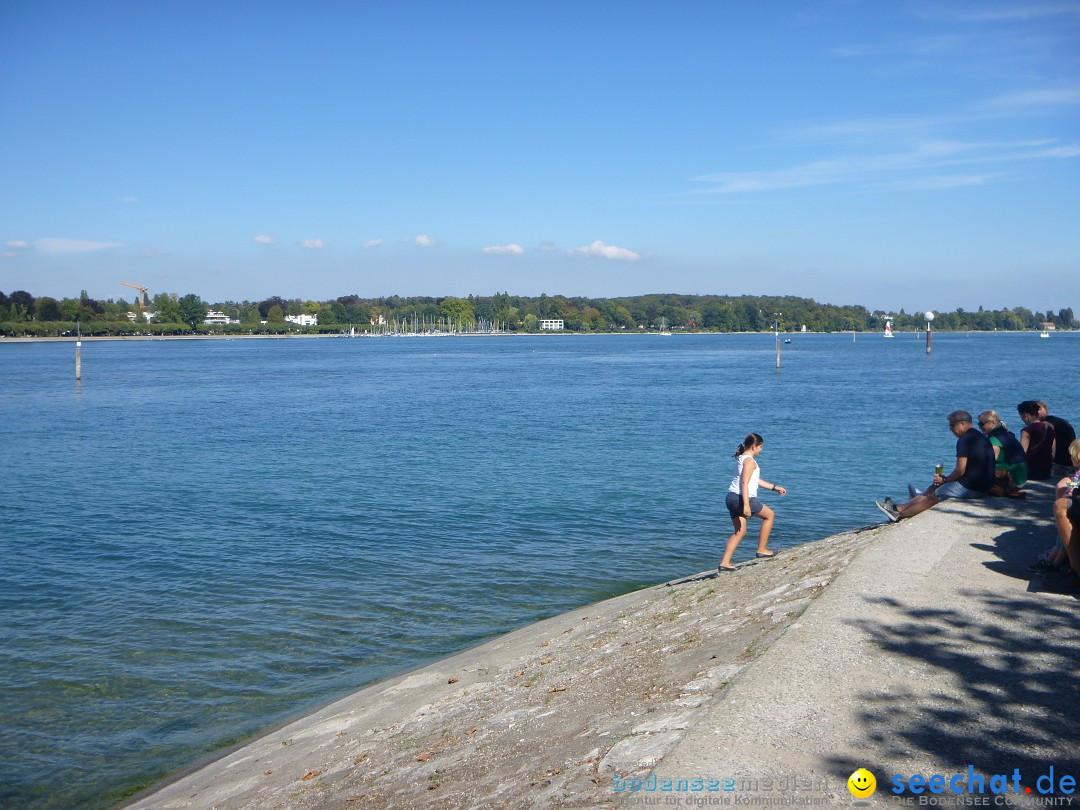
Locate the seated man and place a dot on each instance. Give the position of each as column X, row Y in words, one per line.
column 1037, row 438
column 972, row 476
column 1064, row 435
column 1067, row 518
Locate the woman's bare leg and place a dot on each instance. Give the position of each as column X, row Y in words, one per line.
column 734, row 540
column 767, row 516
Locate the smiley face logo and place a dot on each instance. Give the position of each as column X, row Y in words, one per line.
column 862, row 784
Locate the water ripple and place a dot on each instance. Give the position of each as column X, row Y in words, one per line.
column 204, row 538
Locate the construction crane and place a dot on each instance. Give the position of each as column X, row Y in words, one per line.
column 142, row 292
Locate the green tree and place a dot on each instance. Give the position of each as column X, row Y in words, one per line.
column 329, row 312
column 22, row 305
column 508, row 315
column 48, row 309
column 457, row 311
column 333, row 312
column 166, row 310
column 264, row 306
column 192, row 310
column 623, row 318
column 1011, row 321
column 484, row 309
column 275, row 314
column 350, row 309
column 1027, row 317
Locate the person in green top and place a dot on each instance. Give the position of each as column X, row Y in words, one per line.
column 1009, row 455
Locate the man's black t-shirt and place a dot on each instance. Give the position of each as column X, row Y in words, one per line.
column 1065, row 436
column 979, row 473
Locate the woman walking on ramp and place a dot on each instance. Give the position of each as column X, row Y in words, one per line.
column 742, row 501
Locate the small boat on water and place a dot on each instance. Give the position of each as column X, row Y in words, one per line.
column 888, row 329
column 787, row 340
column 1044, row 334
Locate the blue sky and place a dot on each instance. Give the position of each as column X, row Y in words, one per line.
column 892, row 154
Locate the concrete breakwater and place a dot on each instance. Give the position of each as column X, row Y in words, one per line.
column 917, row 648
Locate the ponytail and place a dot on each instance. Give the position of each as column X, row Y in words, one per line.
column 751, row 441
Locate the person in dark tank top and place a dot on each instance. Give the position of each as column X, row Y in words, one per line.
column 1064, row 436
column 1037, row 438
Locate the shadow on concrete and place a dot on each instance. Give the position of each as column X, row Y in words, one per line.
column 1017, row 700
column 1026, row 531
column 1019, row 705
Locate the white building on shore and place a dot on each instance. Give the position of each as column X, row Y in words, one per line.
column 553, row 325
column 215, row 318
column 303, row 320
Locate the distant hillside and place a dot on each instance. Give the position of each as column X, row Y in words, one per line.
column 23, row 314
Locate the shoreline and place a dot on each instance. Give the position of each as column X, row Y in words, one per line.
column 654, row 683
column 564, row 333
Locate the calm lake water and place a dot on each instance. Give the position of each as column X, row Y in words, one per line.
column 206, row 537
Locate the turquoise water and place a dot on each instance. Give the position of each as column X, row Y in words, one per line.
column 203, row 538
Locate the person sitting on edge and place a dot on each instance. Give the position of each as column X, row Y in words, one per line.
column 972, row 476
column 1010, row 468
column 1067, row 518
column 1064, row 435
column 1037, row 437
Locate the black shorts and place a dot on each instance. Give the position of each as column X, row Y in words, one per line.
column 734, row 505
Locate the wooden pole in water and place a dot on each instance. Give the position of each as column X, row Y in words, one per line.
column 78, row 354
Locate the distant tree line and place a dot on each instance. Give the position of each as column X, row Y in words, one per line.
column 21, row 314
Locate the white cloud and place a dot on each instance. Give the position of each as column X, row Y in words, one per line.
column 599, row 250
column 894, row 169
column 1060, row 152
column 373, row 243
column 1030, row 103
column 503, row 250
column 263, row 239
column 991, row 14
column 17, row 244
column 311, row 244
column 423, row 240
column 53, row 246
column 1015, row 103
column 913, row 46
column 935, row 182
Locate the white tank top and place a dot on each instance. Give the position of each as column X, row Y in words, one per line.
column 736, row 482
